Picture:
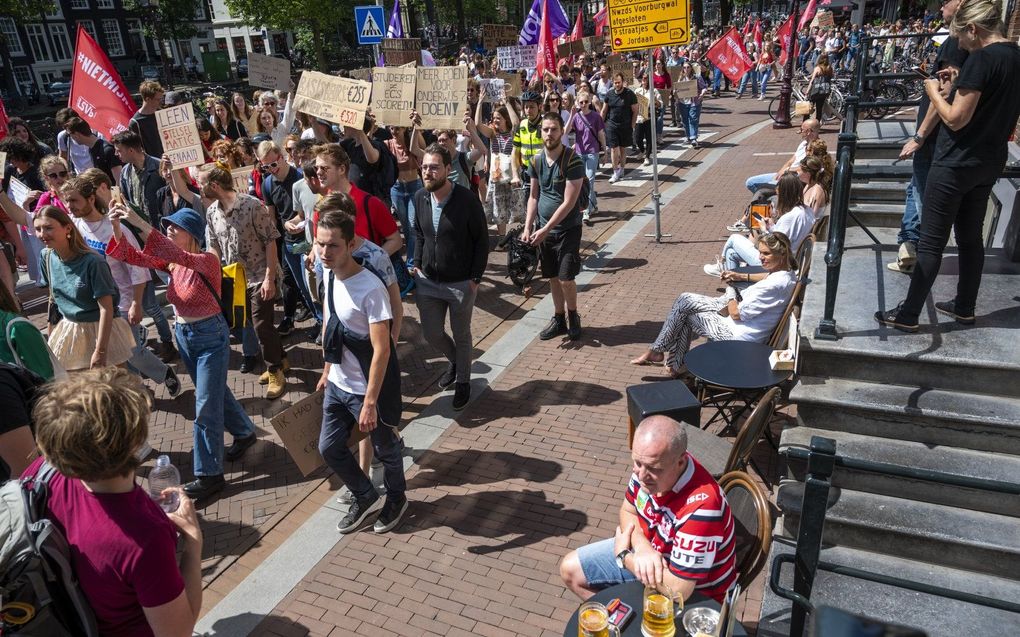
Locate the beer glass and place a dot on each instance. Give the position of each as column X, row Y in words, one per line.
column 593, row 621
column 658, row 616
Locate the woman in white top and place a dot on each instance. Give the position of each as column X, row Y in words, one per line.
column 727, row 318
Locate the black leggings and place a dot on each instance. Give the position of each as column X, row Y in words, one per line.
column 955, row 199
column 819, row 102
column 643, row 136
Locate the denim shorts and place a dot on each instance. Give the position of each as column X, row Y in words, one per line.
column 598, row 562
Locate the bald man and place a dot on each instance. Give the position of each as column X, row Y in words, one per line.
column 675, row 525
column 808, row 133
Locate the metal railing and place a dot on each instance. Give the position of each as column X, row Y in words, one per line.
column 821, row 462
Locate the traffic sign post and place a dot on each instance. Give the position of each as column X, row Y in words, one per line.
column 647, row 24
column 369, row 23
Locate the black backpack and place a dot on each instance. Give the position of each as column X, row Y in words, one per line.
column 385, row 174
column 40, row 593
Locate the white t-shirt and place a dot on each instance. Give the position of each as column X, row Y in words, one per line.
column 795, row 224
column 359, row 301
column 799, row 153
column 97, row 235
column 762, row 307
column 78, row 154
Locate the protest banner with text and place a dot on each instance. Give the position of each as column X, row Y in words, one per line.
column 729, row 55
column 298, row 428
column 493, row 89
column 497, row 35
column 98, row 94
column 240, row 177
column 266, row 71
column 441, row 96
column 393, row 94
column 617, row 64
column 334, row 99
column 180, row 137
column 400, row 51
column 513, row 58
column 512, row 84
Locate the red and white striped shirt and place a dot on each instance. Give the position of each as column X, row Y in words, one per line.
column 693, row 526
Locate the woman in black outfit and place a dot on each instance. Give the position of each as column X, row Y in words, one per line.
column 970, row 153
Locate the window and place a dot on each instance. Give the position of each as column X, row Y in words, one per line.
column 111, row 33
column 10, row 33
column 90, row 28
column 37, row 41
column 54, row 12
column 104, row 4
column 199, row 11
column 212, row 9
column 79, row 4
column 61, row 44
column 23, row 76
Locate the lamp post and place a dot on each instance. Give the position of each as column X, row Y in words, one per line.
column 783, row 116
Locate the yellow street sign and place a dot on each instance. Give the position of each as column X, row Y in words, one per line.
column 646, row 24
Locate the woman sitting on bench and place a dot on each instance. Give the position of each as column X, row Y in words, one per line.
column 728, row 317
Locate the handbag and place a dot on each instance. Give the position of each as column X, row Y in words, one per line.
column 234, row 302
column 803, row 107
column 53, row 315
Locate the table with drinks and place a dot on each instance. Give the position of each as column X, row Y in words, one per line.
column 653, row 615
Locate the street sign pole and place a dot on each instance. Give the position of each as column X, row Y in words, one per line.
column 655, row 155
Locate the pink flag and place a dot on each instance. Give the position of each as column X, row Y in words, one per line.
column 729, row 55
column 757, row 36
column 600, row 20
column 809, row 13
column 578, row 32
column 784, row 34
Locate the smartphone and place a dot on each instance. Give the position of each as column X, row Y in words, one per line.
column 116, row 197
column 758, row 217
column 920, row 71
column 619, row 613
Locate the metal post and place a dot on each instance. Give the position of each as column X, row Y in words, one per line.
column 655, row 156
column 812, row 521
column 786, row 90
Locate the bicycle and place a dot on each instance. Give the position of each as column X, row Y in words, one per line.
column 833, row 108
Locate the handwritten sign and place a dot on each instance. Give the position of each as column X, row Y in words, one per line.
column 400, row 51
column 493, row 90
column 513, row 58
column 497, row 35
column 393, row 94
column 18, row 191
column 685, row 89
column 441, row 95
column 3, row 160
column 825, row 19
column 619, row 65
column 180, row 137
column 298, row 428
column 268, row 72
column 334, row 99
column 511, row 83
column 574, row 47
column 241, row 176
column 365, row 75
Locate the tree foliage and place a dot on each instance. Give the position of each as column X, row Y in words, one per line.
column 322, row 18
column 167, row 19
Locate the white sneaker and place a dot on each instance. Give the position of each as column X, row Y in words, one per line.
column 615, row 178
column 648, row 161
column 761, row 97
column 738, row 227
column 712, row 269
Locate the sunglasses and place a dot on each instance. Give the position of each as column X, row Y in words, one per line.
column 57, row 175
column 270, row 166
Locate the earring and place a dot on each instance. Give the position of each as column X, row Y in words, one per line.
column 68, row 236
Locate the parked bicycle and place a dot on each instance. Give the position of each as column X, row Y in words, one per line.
column 833, row 106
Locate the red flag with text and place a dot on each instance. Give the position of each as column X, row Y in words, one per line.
column 3, row 122
column 578, row 31
column 600, row 20
column 809, row 14
column 783, row 33
column 729, row 55
column 545, row 60
column 97, row 92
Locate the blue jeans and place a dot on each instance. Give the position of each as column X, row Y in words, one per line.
column 154, row 310
column 294, row 264
column 752, row 77
column 717, row 78
column 739, row 249
column 144, row 362
column 910, row 226
column 690, row 115
column 765, row 75
column 591, row 167
column 340, row 411
column 249, row 340
column 402, row 196
column 205, row 351
column 754, row 182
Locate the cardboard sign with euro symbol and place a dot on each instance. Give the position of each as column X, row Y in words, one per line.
column 334, row 99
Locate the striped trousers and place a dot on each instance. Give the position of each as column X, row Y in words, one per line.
column 692, row 315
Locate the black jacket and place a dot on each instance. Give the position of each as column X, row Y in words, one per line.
column 461, row 249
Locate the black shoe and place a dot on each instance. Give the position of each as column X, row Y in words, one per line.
column 173, row 386
column 356, row 515
column 315, row 333
column 890, row 318
column 448, row 377
column 557, row 327
column 303, row 314
column 573, row 325
column 167, row 352
column 250, row 365
column 949, row 309
column 286, row 326
column 392, row 511
column 240, row 445
column 204, row 486
column 461, row 396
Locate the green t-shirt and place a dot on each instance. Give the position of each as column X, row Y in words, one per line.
column 552, row 181
column 78, row 283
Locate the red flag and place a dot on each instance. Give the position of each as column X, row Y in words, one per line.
column 757, row 36
column 97, row 92
column 784, row 33
column 600, row 20
column 578, row 32
column 809, row 13
column 545, row 60
column 3, row 123
column 747, row 26
column 729, row 55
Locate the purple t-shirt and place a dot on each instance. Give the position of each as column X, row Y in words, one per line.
column 586, row 132
column 122, row 549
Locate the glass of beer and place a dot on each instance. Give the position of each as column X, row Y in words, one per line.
column 660, row 610
column 593, row 621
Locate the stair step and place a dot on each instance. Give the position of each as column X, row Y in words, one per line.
column 882, row 169
column 877, row 214
column 873, row 191
column 936, row 616
column 963, row 463
column 958, row 538
column 979, row 422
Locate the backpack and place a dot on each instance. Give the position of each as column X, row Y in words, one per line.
column 33, row 354
column 583, row 197
column 385, row 174
column 40, row 593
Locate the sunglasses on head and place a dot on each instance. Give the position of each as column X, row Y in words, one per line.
column 57, row 175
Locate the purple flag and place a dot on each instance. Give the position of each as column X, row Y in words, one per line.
column 396, row 28
column 558, row 21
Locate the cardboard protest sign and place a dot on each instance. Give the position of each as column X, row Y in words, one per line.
column 511, row 83
column 365, row 75
column 334, row 99
column 3, row 160
column 180, row 137
column 617, row 64
column 400, row 51
column 825, row 19
column 240, row 177
column 497, row 35
column 441, row 96
column 574, row 47
column 513, row 58
column 298, row 428
column 593, row 43
column 268, row 72
column 493, row 90
column 393, row 94
column 685, row 89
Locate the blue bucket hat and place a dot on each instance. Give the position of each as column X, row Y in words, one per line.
column 190, row 221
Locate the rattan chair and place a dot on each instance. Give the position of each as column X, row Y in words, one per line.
column 719, row 455
column 752, row 524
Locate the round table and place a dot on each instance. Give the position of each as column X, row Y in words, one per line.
column 632, row 593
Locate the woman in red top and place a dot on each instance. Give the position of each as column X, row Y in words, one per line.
column 203, row 337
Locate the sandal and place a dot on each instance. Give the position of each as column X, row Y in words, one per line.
column 641, row 360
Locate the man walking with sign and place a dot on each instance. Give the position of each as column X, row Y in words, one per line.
column 557, row 176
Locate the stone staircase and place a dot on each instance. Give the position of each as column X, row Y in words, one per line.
column 945, row 399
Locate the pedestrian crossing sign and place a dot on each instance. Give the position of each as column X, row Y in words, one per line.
column 369, row 22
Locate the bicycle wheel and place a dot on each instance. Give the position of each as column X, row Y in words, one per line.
column 834, row 107
column 774, row 108
column 889, row 92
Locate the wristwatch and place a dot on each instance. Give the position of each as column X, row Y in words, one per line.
column 477, row 280
column 622, row 556
column 917, row 138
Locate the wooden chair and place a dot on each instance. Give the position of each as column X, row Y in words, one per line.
column 752, row 524
column 719, row 455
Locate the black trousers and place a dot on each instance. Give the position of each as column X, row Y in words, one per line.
column 955, row 199
column 643, row 137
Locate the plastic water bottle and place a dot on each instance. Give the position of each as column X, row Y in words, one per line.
column 164, row 476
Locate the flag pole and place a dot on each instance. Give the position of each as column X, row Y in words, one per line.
column 655, row 155
column 786, row 91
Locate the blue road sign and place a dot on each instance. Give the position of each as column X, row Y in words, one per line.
column 370, row 22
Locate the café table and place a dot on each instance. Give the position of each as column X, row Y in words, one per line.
column 632, row 594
